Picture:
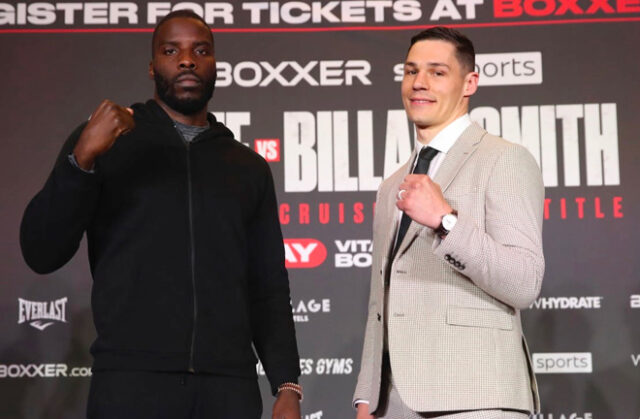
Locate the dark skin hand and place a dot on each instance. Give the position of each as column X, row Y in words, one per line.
column 108, row 122
column 287, row 405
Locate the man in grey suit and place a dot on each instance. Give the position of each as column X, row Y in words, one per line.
column 457, row 254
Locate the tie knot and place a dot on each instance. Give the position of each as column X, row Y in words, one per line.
column 424, row 160
column 427, row 153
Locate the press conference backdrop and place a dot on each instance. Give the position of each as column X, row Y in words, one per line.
column 314, row 87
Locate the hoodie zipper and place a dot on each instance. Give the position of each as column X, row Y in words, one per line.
column 192, row 249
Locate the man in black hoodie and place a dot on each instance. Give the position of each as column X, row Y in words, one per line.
column 184, row 245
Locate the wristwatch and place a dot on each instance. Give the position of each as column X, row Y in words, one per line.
column 447, row 224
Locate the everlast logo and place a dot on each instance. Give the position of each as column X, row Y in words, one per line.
column 42, row 314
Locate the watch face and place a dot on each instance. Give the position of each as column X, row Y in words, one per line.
column 448, row 221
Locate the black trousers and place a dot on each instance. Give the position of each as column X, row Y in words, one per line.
column 170, row 395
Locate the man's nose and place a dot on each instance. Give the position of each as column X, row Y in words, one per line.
column 187, row 61
column 421, row 82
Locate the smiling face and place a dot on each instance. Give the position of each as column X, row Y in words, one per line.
column 435, row 87
column 183, row 65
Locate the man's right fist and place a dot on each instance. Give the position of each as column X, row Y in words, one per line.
column 107, row 123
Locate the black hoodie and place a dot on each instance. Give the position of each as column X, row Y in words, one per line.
column 185, row 250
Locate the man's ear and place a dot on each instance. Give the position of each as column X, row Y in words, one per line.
column 151, row 72
column 471, row 83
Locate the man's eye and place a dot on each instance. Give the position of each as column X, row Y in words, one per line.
column 169, row 51
column 202, row 52
column 410, row 72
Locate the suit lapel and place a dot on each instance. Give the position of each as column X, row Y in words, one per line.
column 451, row 165
column 390, row 201
column 458, row 155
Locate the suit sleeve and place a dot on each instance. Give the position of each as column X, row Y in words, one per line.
column 272, row 325
column 505, row 258
column 366, row 374
column 56, row 218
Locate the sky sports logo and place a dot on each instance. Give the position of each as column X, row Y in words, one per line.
column 509, row 68
column 304, row 253
column 562, row 363
column 502, row 69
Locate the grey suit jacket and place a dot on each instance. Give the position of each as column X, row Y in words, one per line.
column 454, row 331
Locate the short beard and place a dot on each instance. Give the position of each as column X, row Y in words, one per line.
column 188, row 106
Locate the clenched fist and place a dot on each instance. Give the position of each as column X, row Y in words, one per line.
column 422, row 200
column 107, row 123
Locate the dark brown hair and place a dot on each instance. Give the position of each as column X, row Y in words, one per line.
column 465, row 52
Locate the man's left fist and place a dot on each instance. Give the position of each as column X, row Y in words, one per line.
column 422, row 200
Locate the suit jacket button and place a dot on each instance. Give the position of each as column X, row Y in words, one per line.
column 462, row 267
column 457, row 264
column 447, row 257
column 379, row 317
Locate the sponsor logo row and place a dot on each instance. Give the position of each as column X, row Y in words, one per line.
column 308, row 366
column 543, row 363
column 310, row 253
column 42, row 314
column 497, row 69
column 568, row 362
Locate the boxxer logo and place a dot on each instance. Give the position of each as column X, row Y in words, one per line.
column 42, row 314
column 292, row 73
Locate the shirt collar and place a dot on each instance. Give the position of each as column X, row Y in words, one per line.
column 446, row 138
